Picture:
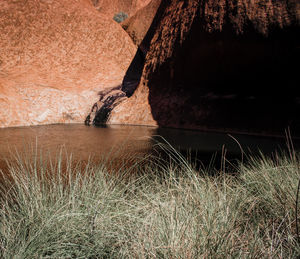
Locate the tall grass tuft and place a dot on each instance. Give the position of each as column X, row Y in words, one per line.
column 55, row 208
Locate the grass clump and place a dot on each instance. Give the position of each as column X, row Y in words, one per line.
column 64, row 210
column 120, row 17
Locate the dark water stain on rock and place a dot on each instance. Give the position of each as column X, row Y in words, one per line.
column 110, row 98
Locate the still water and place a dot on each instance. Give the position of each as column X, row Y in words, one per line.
column 116, row 142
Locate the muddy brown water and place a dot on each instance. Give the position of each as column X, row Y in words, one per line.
column 127, row 142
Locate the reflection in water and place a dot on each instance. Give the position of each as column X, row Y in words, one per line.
column 208, row 142
column 83, row 142
column 116, row 142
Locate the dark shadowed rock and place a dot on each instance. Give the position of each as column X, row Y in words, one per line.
column 220, row 65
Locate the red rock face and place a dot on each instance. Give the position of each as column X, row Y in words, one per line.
column 55, row 56
column 112, row 7
column 138, row 25
column 220, row 65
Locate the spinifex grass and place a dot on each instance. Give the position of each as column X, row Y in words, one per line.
column 169, row 210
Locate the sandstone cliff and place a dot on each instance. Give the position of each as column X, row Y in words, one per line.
column 138, row 25
column 219, row 64
column 55, row 56
column 112, row 7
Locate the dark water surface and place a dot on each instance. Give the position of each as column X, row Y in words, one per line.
column 119, row 142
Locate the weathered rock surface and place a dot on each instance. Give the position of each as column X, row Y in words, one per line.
column 55, row 56
column 137, row 28
column 138, row 25
column 219, row 65
column 112, row 7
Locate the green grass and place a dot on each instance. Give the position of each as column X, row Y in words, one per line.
column 60, row 209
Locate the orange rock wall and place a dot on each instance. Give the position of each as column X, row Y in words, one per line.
column 55, row 56
column 138, row 25
column 112, row 7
